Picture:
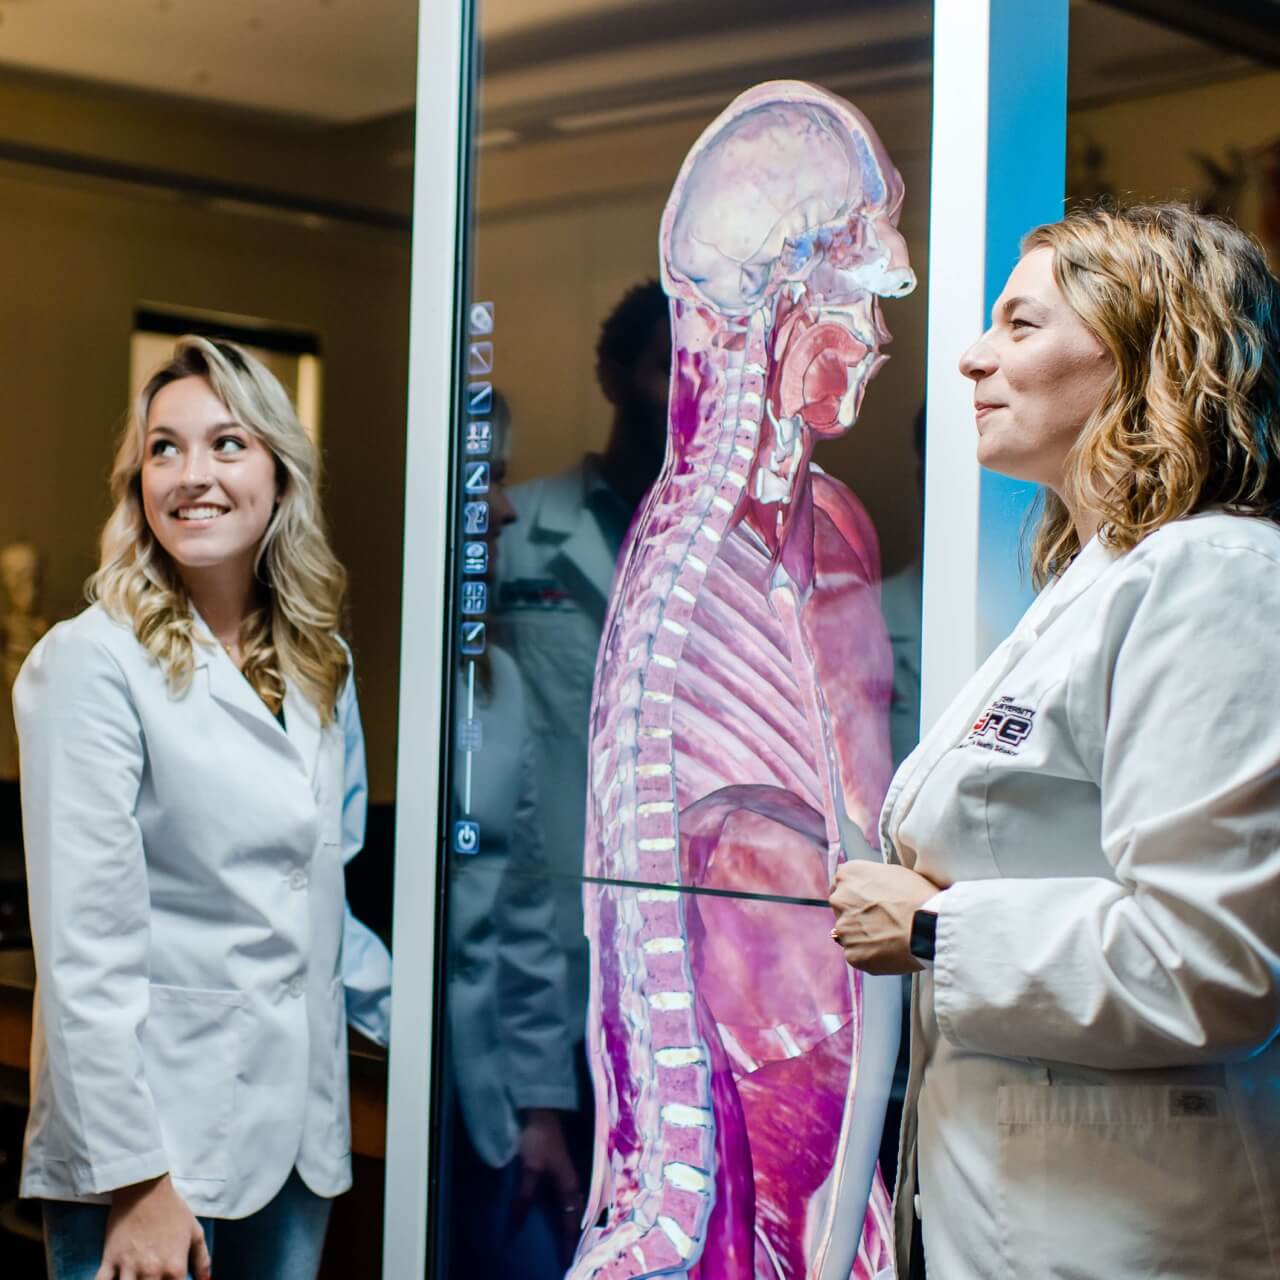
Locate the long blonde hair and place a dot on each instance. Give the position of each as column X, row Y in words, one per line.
column 292, row 635
column 1190, row 314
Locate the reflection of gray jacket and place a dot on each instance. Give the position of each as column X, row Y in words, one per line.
column 509, row 1035
column 556, row 566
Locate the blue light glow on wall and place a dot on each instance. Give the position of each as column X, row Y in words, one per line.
column 1027, row 143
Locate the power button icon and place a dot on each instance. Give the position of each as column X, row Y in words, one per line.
column 466, row 837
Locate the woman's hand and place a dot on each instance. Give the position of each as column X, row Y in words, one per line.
column 152, row 1235
column 873, row 905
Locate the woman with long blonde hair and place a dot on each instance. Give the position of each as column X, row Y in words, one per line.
column 1083, row 854
column 193, row 782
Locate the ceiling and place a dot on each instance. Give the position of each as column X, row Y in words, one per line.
column 611, row 65
column 338, row 61
column 550, row 65
column 1117, row 52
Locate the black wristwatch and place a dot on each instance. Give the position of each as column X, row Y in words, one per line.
column 924, row 933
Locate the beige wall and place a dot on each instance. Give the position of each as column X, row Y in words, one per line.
column 1149, row 143
column 349, row 163
column 566, row 226
column 78, row 261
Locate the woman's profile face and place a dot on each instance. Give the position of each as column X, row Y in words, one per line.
column 1038, row 374
column 208, row 483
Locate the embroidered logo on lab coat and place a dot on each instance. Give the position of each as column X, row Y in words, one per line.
column 1004, row 726
column 543, row 594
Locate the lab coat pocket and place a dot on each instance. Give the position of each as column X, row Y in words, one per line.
column 192, row 1047
column 1126, row 1181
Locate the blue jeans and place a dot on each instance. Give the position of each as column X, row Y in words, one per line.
column 282, row 1241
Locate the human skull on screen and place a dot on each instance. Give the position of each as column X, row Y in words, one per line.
column 792, row 209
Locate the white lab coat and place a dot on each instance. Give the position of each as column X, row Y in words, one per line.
column 1095, row 1087
column 196, row 962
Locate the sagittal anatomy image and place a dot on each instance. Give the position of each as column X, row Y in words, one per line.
column 739, row 742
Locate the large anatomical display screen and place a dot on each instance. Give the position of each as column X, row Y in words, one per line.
column 740, row 730
column 686, row 656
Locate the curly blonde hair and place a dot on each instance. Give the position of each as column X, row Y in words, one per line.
column 1190, row 314
column 292, row 635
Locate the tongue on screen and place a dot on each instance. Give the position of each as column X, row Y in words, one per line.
column 815, row 377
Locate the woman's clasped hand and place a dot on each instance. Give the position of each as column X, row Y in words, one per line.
column 874, row 904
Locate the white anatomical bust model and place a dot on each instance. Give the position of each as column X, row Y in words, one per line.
column 20, row 627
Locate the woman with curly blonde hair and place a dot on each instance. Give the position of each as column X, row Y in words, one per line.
column 193, row 782
column 1082, row 858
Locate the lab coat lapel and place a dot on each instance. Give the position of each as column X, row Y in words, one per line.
column 583, row 561
column 585, row 566
column 228, row 686
column 954, row 723
column 303, row 726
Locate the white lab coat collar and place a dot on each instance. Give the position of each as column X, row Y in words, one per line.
column 1092, row 562
column 226, row 684
column 561, row 502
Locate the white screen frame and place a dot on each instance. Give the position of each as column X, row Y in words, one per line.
column 998, row 169
column 974, row 138
column 443, row 68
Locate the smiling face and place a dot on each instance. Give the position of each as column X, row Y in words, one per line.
column 208, row 484
column 1038, row 375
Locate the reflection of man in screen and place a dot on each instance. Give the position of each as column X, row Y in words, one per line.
column 513, row 1190
column 557, row 567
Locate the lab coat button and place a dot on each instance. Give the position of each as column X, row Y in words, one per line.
column 297, row 987
column 297, row 878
